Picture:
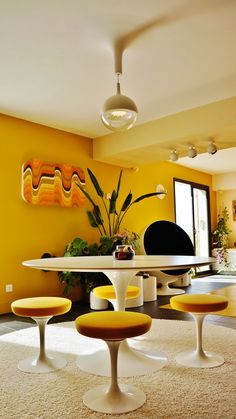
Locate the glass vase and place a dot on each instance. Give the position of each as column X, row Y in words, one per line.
column 124, row 252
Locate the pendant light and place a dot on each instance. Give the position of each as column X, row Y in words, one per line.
column 119, row 112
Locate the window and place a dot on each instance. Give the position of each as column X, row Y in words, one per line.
column 192, row 213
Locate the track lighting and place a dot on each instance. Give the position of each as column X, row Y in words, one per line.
column 192, row 152
column 174, row 155
column 119, row 112
column 211, row 149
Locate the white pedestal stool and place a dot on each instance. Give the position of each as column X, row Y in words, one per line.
column 199, row 305
column 113, row 327
column 107, row 292
column 41, row 309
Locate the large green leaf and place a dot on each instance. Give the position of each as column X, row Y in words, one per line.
column 67, row 254
column 79, row 247
column 93, row 249
column 95, row 183
column 78, row 243
column 112, row 207
column 118, row 185
column 92, row 219
column 127, row 201
column 97, row 214
column 86, row 194
column 140, row 198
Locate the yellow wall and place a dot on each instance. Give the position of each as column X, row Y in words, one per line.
column 27, row 231
column 147, row 178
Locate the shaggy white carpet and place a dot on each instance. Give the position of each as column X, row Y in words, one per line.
column 172, row 392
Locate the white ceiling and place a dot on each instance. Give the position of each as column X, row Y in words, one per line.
column 224, row 161
column 57, row 58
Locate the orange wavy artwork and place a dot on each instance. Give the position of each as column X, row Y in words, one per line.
column 52, row 184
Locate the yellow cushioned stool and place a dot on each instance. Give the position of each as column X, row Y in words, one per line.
column 107, row 292
column 113, row 327
column 41, row 309
column 198, row 305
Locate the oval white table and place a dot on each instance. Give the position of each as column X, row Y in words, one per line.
column 132, row 362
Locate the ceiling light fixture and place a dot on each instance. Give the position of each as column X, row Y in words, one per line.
column 119, row 112
column 211, row 149
column 192, row 152
column 174, row 155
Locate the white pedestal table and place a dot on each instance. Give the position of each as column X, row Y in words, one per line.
column 132, row 362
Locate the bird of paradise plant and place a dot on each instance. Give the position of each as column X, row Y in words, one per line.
column 114, row 216
column 111, row 236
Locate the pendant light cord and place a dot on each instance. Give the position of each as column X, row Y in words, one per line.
column 118, row 83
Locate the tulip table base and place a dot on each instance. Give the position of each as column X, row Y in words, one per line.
column 131, row 362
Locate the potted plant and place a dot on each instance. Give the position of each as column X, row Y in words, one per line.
column 80, row 247
column 110, row 231
column 114, row 215
column 220, row 238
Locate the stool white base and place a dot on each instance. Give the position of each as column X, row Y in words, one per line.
column 99, row 400
column 35, row 365
column 42, row 363
column 132, row 363
column 204, row 360
column 199, row 358
column 166, row 290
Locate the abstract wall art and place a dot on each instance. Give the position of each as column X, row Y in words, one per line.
column 52, row 184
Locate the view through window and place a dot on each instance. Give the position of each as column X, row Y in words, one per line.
column 192, row 214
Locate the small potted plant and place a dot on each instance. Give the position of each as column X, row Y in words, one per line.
column 80, row 247
column 220, row 238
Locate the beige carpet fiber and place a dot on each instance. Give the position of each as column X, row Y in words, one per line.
column 173, row 392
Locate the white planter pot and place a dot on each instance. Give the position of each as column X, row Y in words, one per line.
column 149, row 289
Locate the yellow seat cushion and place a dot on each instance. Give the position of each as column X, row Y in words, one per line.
column 41, row 306
column 108, row 292
column 113, row 325
column 198, row 303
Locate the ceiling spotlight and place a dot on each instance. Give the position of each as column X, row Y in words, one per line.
column 211, row 149
column 119, row 112
column 192, row 152
column 174, row 155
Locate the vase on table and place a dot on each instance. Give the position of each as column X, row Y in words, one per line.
column 124, row 252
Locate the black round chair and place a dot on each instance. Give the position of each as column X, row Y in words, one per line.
column 167, row 238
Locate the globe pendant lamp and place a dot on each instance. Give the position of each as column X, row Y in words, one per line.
column 119, row 112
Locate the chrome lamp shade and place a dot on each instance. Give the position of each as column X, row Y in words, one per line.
column 119, row 112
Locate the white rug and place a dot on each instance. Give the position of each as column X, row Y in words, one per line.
column 231, row 279
column 172, row 392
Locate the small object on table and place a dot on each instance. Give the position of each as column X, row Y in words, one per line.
column 124, row 252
